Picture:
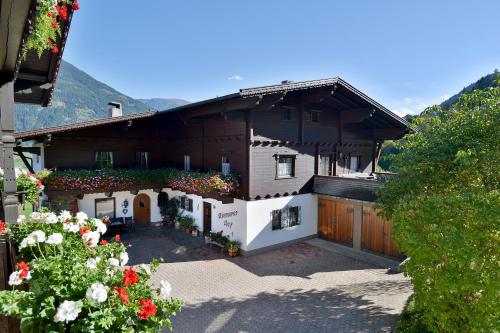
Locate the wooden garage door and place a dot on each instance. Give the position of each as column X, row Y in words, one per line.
column 335, row 221
column 376, row 233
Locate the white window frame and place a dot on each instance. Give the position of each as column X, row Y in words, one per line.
column 146, row 159
column 225, row 166
column 284, row 171
column 97, row 160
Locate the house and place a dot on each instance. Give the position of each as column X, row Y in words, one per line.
column 305, row 154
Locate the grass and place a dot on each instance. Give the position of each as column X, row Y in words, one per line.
column 411, row 320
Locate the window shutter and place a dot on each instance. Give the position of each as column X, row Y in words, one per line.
column 276, row 219
column 190, row 203
column 183, row 202
column 162, row 199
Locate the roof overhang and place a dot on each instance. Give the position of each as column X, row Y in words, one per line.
column 34, row 76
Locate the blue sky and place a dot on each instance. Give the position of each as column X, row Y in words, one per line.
column 405, row 54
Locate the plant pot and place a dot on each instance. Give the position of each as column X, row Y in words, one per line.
column 177, row 225
column 194, row 232
column 233, row 251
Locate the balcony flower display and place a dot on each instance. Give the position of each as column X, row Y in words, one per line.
column 66, row 280
column 89, row 181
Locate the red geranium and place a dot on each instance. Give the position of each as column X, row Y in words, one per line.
column 55, row 49
column 122, row 294
column 148, row 309
column 104, row 242
column 62, row 12
column 3, row 227
column 130, row 277
column 24, row 268
column 54, row 24
column 84, row 230
column 117, row 239
column 76, row 5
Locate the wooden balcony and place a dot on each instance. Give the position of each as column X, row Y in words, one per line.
column 349, row 187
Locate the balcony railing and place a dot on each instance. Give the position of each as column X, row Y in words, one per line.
column 207, row 184
column 349, row 187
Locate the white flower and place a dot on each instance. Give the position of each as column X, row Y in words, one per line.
column 36, row 216
column 110, row 272
column 114, row 262
column 67, row 311
column 100, row 226
column 55, row 239
column 65, row 215
column 91, row 238
column 123, row 258
column 92, row 262
column 81, row 217
column 39, row 236
column 27, row 241
column 97, row 292
column 71, row 227
column 51, row 218
column 21, row 218
column 14, row 279
column 144, row 268
column 165, row 289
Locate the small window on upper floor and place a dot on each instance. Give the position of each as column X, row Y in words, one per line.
column 286, row 114
column 104, row 159
column 354, row 163
column 142, row 160
column 325, row 165
column 187, row 163
column 285, row 167
column 225, row 166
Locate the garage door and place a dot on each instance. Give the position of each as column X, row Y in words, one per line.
column 335, row 221
column 376, row 233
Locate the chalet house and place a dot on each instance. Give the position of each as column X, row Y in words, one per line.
column 305, row 154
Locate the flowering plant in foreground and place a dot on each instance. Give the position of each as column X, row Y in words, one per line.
column 77, row 282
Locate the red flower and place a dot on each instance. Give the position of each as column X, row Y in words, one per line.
column 3, row 227
column 52, row 14
column 24, row 268
column 104, row 242
column 76, row 6
column 54, row 24
column 84, row 230
column 117, row 239
column 148, row 309
column 122, row 294
column 62, row 12
column 55, row 49
column 130, row 277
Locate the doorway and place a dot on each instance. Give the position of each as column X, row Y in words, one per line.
column 142, row 209
column 207, row 218
column 335, row 221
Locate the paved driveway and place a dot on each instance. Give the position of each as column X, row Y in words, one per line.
column 299, row 288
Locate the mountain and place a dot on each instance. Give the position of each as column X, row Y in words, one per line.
column 163, row 103
column 484, row 82
column 79, row 97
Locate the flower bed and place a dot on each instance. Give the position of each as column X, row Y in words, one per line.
column 88, row 181
column 79, row 283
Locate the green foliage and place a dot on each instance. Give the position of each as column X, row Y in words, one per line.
column 26, row 183
column 186, row 222
column 445, row 204
column 411, row 320
column 65, row 270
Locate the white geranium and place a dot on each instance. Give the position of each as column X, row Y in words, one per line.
column 27, row 241
column 39, row 235
column 71, row 227
column 36, row 216
column 21, row 218
column 55, row 239
column 51, row 218
column 92, row 262
column 65, row 215
column 144, row 268
column 97, row 292
column 165, row 289
column 110, row 271
column 15, row 279
column 81, row 217
column 123, row 258
column 91, row 238
column 100, row 226
column 114, row 262
column 67, row 311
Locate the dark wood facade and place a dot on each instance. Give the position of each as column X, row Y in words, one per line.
column 250, row 130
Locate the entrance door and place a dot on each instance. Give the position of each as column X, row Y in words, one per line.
column 335, row 221
column 142, row 209
column 207, row 217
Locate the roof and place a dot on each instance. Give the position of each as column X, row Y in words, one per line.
column 34, row 76
column 289, row 86
column 98, row 122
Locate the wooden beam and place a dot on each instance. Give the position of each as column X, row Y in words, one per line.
column 31, row 150
column 25, row 161
column 388, row 133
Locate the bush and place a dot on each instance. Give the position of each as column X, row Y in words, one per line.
column 78, row 284
column 445, row 204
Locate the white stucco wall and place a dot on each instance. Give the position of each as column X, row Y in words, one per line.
column 230, row 219
column 259, row 229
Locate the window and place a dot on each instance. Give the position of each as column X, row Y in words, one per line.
column 186, row 204
column 354, row 164
column 225, row 166
column 187, row 163
column 285, row 218
column 142, row 159
column 287, row 114
column 104, row 159
column 105, row 207
column 315, row 116
column 286, row 166
column 162, row 199
column 324, row 165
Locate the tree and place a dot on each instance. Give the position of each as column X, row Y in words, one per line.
column 445, row 205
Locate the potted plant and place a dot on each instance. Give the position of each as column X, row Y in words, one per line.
column 194, row 231
column 233, row 248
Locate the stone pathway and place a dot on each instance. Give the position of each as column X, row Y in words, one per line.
column 299, row 288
